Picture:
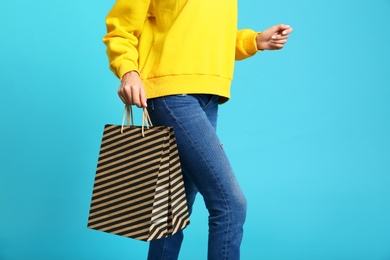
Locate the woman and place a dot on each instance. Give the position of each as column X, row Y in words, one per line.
column 176, row 58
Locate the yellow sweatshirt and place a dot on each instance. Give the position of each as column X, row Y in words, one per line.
column 178, row 46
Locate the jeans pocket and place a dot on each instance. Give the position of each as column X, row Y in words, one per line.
column 206, row 100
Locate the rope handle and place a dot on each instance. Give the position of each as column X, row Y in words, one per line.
column 128, row 117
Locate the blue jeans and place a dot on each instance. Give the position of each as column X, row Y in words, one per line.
column 206, row 170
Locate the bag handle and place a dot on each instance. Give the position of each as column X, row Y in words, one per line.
column 128, row 116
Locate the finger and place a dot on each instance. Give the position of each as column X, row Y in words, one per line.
column 287, row 31
column 279, row 37
column 122, row 96
column 133, row 99
column 143, row 98
column 128, row 95
column 280, row 41
column 123, row 100
column 278, row 46
column 275, row 46
column 138, row 96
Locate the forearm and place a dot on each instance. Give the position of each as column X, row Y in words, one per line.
column 124, row 25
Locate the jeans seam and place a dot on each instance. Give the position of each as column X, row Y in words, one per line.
column 164, row 249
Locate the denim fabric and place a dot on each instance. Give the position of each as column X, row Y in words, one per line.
column 206, row 170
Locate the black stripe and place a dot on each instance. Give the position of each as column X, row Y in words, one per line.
column 160, row 231
column 150, row 151
column 130, row 204
column 124, row 184
column 108, row 220
column 106, row 152
column 110, row 129
column 125, row 194
column 135, row 225
column 132, row 170
column 130, row 156
column 130, row 134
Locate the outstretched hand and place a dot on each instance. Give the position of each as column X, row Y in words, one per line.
column 131, row 90
column 273, row 38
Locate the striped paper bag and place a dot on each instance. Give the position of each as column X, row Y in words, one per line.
column 138, row 189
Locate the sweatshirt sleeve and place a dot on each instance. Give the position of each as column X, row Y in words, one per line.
column 246, row 44
column 124, row 25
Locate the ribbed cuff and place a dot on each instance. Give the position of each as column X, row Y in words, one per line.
column 123, row 66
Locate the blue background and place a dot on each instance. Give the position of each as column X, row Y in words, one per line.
column 307, row 131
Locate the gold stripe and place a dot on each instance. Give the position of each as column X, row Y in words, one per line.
column 121, row 198
column 126, row 168
column 107, row 206
column 144, row 143
column 129, row 183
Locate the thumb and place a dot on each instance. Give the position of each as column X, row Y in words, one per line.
column 283, row 26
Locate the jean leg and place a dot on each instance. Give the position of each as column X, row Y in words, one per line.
column 205, row 164
column 168, row 248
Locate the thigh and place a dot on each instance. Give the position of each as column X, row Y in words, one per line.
column 201, row 153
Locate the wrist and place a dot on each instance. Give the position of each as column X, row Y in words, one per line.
column 133, row 72
column 130, row 74
column 260, row 42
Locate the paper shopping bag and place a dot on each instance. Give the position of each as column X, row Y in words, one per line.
column 138, row 189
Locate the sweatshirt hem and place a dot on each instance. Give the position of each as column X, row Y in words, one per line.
column 188, row 84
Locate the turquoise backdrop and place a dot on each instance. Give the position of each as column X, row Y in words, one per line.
column 307, row 131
